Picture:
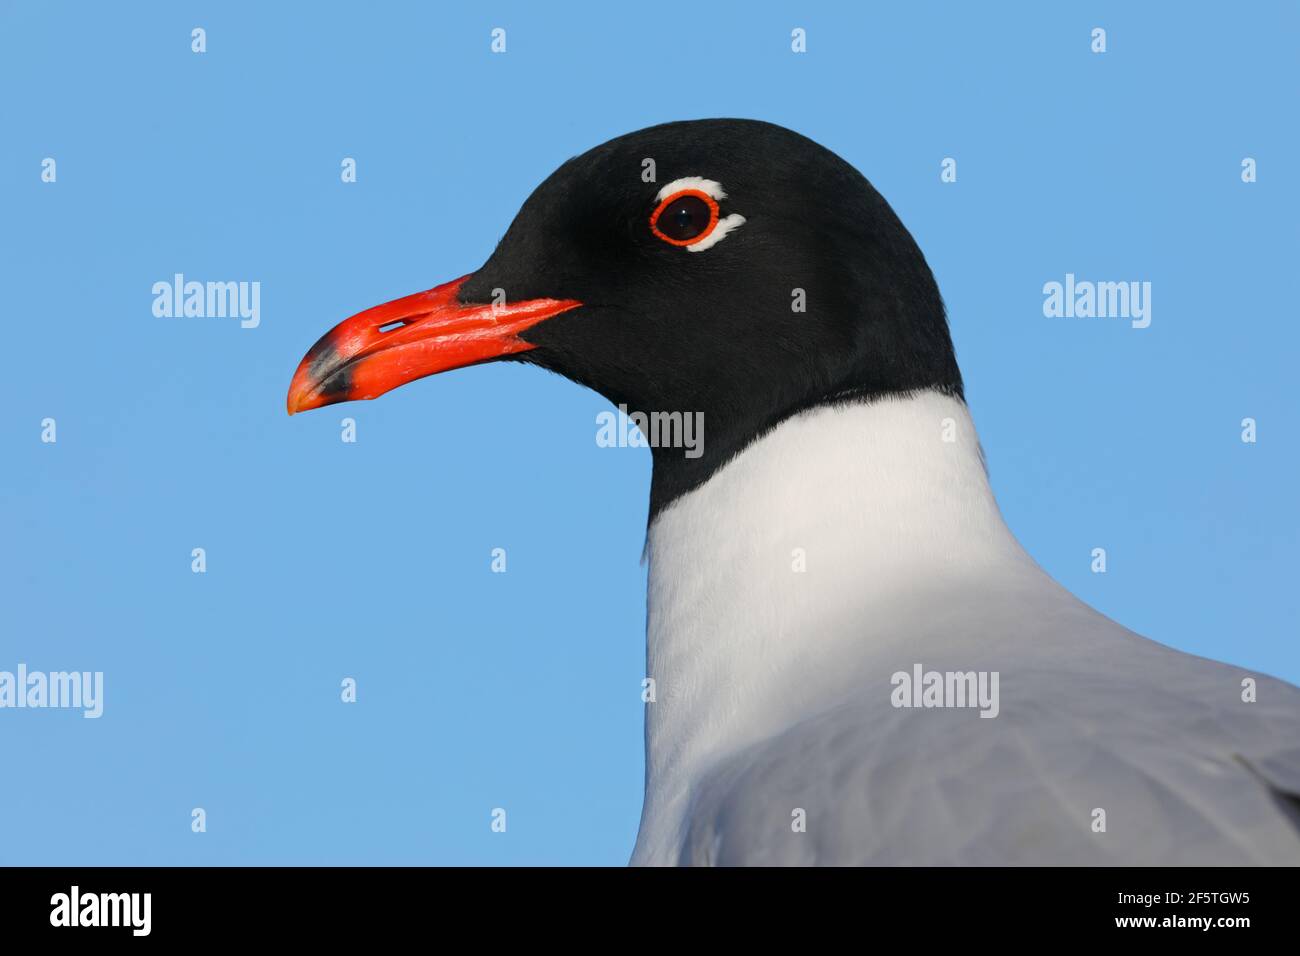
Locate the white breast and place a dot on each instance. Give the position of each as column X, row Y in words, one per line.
column 856, row 541
column 771, row 583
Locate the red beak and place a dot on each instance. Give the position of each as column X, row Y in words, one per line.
column 379, row 349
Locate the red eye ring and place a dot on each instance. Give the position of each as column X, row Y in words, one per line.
column 714, row 216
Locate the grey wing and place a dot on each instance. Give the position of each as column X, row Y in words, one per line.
column 1083, row 767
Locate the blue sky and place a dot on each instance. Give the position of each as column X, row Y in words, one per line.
column 370, row 560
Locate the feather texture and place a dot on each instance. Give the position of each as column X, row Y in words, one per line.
column 774, row 683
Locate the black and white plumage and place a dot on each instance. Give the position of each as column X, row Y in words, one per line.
column 837, row 439
column 774, row 687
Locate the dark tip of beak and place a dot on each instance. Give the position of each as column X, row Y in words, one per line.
column 386, row 346
column 323, row 378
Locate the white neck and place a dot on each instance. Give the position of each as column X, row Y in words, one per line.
column 881, row 504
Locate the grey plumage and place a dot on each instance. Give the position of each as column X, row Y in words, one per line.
column 1185, row 770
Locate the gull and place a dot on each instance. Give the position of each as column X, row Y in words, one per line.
column 854, row 660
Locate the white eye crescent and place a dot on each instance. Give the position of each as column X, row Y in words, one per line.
column 684, row 205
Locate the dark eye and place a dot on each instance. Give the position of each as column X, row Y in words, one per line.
column 685, row 217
